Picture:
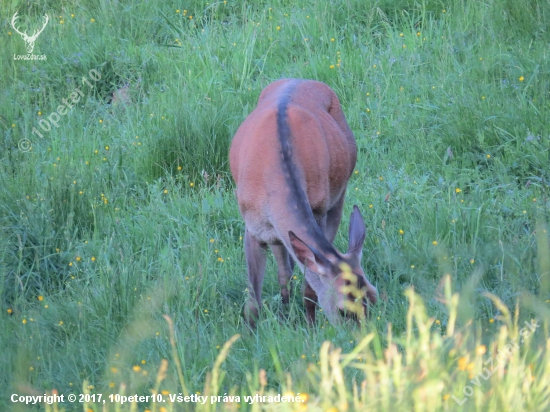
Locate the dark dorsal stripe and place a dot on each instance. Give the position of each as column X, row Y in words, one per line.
column 298, row 196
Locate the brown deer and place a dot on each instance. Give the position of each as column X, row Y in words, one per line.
column 291, row 160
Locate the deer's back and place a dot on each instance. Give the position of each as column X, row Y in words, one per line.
column 292, row 143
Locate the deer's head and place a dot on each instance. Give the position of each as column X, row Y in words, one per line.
column 339, row 281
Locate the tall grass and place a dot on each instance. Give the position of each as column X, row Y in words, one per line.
column 125, row 212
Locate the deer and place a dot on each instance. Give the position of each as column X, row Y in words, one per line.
column 291, row 160
column 29, row 39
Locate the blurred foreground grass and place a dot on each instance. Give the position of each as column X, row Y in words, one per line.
column 425, row 369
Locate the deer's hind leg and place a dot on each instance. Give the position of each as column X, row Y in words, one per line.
column 255, row 253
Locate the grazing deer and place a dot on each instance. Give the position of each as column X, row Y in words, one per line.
column 291, row 160
column 29, row 39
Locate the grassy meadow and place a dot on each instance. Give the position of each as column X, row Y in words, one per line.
column 122, row 267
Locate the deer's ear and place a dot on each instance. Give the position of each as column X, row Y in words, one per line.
column 357, row 231
column 309, row 256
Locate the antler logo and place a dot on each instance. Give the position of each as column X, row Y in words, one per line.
column 29, row 39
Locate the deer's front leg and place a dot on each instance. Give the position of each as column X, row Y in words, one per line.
column 284, row 269
column 310, row 302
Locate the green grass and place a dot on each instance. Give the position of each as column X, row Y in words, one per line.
column 125, row 212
